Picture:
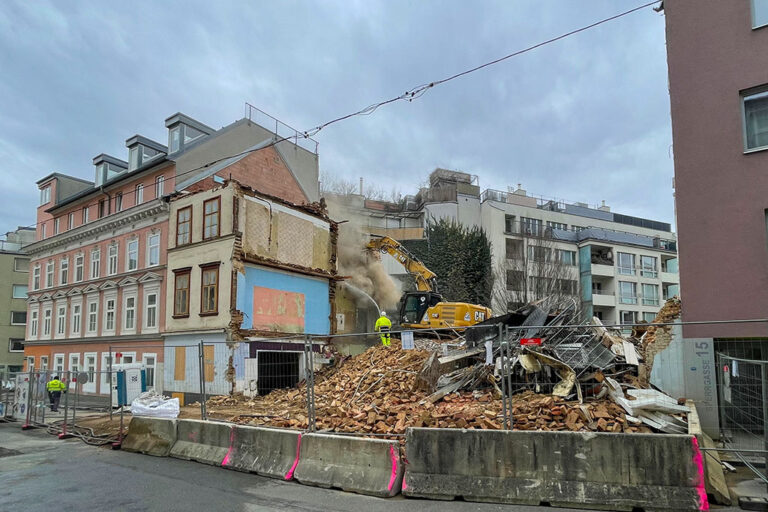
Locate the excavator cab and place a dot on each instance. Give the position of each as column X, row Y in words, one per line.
column 414, row 305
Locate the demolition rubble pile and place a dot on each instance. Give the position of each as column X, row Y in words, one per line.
column 577, row 379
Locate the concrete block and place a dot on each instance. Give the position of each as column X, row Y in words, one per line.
column 365, row 466
column 268, row 452
column 202, row 441
column 153, row 436
column 564, row 469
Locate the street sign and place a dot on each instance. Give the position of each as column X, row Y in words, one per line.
column 530, row 341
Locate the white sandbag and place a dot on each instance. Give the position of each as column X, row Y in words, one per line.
column 155, row 405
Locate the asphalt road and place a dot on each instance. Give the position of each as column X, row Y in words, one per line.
column 39, row 472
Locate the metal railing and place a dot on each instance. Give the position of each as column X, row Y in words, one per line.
column 281, row 129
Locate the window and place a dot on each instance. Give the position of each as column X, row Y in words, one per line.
column 90, row 367
column 540, row 285
column 133, row 255
column 597, row 288
column 43, row 362
column 119, row 202
column 577, row 228
column 95, row 263
column 531, row 227
column 181, row 294
column 93, row 312
column 191, row 134
column 45, row 195
column 133, row 158
column 557, row 225
column 539, row 254
column 79, row 267
column 759, row 13
column 139, row 193
column 648, row 266
column 19, row 291
column 627, row 292
column 74, row 363
column 515, row 280
column 30, row 363
column 33, row 325
column 61, row 320
column 566, row 257
column 112, row 259
column 210, row 290
column 627, row 317
column 566, row 286
column 174, row 139
column 18, row 318
column 130, row 314
column 626, row 264
column 514, row 249
column 509, row 224
column 36, row 277
column 159, row 186
column 70, row 221
column 56, row 225
column 49, row 274
column 150, row 362
column 43, row 227
column 211, row 218
column 64, row 271
column 650, row 295
column 150, row 314
column 76, row 313
column 183, row 224
column 755, row 110
column 109, row 315
column 649, row 317
column 85, row 215
column 47, row 322
column 58, row 363
column 102, row 208
column 153, row 250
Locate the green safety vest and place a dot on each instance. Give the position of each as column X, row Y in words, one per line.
column 56, row 385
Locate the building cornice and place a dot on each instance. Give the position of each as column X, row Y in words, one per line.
column 97, row 339
column 124, row 280
column 108, row 223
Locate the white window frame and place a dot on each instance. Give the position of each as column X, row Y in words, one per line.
column 43, row 363
column 73, row 368
column 61, row 319
column 104, row 381
column 647, row 300
column 150, row 236
column 10, row 345
column 43, row 230
column 63, row 271
column 79, row 267
column 30, row 363
column 138, row 192
column 70, row 220
column 646, row 316
column 130, row 294
column 159, row 186
column 16, row 295
column 47, row 330
column 18, row 323
column 118, row 202
column 745, row 97
column 627, row 299
column 112, row 261
column 95, row 263
column 86, row 215
column 153, row 366
column 125, row 355
column 90, row 386
column 93, row 299
column 36, row 279
column 128, row 252
column 58, row 364
column 49, row 270
column 105, row 328
column 150, row 290
column 624, row 270
column 45, row 195
column 34, row 323
column 76, row 318
column 56, row 225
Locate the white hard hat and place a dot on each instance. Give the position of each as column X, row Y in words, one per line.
column 383, row 313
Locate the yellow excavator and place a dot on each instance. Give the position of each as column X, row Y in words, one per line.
column 425, row 308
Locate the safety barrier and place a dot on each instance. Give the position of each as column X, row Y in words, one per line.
column 566, row 469
column 153, row 436
column 202, row 441
column 365, row 466
column 268, row 452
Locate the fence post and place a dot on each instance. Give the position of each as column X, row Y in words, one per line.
column 31, row 370
column 503, row 381
column 309, row 372
column 201, row 357
column 110, row 357
column 764, row 372
column 64, row 434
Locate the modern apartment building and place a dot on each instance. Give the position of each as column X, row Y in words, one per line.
column 619, row 268
column 718, row 87
column 14, row 275
column 99, row 265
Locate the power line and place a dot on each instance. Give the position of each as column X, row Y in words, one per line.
column 410, row 95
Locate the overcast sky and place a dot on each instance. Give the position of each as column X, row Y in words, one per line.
column 583, row 119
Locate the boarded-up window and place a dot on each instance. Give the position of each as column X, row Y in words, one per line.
column 180, row 363
column 208, row 361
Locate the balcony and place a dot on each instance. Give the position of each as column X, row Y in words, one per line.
column 670, row 277
column 603, row 270
column 600, row 299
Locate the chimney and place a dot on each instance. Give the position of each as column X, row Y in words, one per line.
column 520, row 191
column 361, row 185
column 604, row 208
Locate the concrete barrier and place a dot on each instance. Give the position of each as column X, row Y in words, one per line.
column 202, row 441
column 153, row 436
column 565, row 469
column 265, row 451
column 365, row 466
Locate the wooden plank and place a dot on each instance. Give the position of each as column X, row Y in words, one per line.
column 208, row 360
column 179, row 363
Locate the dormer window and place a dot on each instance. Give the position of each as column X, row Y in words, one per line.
column 183, row 131
column 108, row 167
column 142, row 150
column 45, row 195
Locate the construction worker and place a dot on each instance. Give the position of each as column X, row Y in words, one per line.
column 383, row 325
column 55, row 387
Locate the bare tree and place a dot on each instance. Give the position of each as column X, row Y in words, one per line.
column 330, row 183
column 532, row 268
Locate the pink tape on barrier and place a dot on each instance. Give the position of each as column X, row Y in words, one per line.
column 289, row 474
column 225, row 461
column 393, row 457
column 700, row 487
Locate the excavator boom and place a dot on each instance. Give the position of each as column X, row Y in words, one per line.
column 425, row 278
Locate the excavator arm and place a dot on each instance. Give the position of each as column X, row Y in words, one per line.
column 425, row 278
